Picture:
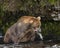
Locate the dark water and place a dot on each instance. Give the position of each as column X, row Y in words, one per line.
column 39, row 44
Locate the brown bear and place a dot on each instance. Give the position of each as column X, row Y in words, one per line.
column 23, row 30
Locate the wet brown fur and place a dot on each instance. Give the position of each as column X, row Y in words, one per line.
column 24, row 32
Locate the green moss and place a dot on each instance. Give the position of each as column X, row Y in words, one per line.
column 51, row 27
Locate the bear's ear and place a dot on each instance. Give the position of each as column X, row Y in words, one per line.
column 39, row 18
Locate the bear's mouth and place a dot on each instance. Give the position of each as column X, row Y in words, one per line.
column 36, row 29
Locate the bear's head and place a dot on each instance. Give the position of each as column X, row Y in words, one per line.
column 33, row 22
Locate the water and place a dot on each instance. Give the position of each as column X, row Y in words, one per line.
column 40, row 44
